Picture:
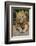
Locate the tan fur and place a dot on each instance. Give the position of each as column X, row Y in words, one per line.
column 21, row 21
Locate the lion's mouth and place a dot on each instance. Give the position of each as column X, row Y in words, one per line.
column 21, row 21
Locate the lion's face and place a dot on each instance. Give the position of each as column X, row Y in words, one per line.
column 20, row 16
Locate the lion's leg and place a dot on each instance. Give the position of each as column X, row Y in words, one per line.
column 25, row 28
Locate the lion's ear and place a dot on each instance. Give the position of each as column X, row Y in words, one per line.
column 26, row 12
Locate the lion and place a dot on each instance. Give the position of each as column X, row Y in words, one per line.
column 22, row 25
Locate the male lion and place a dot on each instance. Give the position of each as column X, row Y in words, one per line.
column 21, row 21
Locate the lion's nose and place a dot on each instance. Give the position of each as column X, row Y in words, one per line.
column 19, row 19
